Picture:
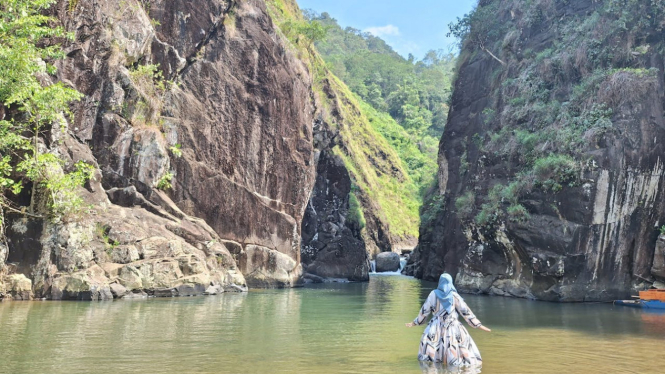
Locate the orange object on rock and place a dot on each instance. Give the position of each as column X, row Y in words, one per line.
column 653, row 295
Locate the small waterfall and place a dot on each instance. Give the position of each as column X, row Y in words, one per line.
column 125, row 142
column 402, row 265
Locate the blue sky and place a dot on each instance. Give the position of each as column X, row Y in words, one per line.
column 414, row 26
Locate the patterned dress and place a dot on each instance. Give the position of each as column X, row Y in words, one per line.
column 445, row 339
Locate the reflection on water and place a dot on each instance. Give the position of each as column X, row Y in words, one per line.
column 330, row 328
column 437, row 368
column 653, row 322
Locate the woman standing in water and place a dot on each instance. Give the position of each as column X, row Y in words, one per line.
column 445, row 339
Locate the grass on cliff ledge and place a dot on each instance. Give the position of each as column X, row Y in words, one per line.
column 375, row 166
column 372, row 160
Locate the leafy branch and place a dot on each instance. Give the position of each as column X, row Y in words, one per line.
column 29, row 108
column 477, row 28
column 309, row 32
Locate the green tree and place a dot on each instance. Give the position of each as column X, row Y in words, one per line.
column 309, row 32
column 29, row 107
column 478, row 28
column 408, row 97
column 313, row 31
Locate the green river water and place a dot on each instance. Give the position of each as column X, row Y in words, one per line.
column 330, row 328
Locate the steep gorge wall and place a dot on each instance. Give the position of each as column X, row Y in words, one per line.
column 332, row 243
column 345, row 223
column 352, row 223
column 551, row 164
column 359, row 180
column 226, row 134
column 208, row 167
column 216, row 142
column 240, row 110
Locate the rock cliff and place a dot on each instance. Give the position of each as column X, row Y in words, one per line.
column 202, row 100
column 345, row 224
column 355, row 209
column 332, row 245
column 215, row 142
column 551, row 164
column 239, row 108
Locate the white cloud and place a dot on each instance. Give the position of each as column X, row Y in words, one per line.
column 407, row 47
column 382, row 31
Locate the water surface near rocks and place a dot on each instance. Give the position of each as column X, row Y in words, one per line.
column 331, row 328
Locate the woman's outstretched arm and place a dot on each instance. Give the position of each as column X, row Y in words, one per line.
column 426, row 309
column 468, row 315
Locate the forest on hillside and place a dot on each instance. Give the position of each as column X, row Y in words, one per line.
column 406, row 99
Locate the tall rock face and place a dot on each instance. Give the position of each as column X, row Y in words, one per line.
column 247, row 114
column 199, row 118
column 239, row 110
column 332, row 244
column 551, row 165
column 360, row 179
column 346, row 221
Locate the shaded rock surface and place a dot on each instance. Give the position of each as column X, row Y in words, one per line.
column 593, row 239
column 332, row 245
column 335, row 234
column 658, row 266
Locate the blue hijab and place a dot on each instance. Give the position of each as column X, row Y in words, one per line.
column 444, row 292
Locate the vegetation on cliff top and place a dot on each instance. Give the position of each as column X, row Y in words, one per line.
column 30, row 109
column 375, row 166
column 407, row 99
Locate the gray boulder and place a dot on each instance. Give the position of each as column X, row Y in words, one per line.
column 19, row 287
column 118, row 290
column 165, row 292
column 135, row 295
column 658, row 267
column 387, row 261
column 87, row 285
